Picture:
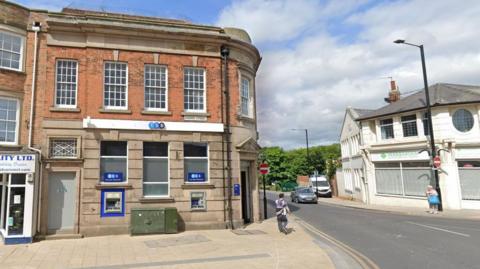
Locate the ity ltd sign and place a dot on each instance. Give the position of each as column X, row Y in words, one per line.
column 17, row 163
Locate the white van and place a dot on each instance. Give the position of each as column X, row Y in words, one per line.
column 321, row 183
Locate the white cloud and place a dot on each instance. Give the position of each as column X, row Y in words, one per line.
column 309, row 82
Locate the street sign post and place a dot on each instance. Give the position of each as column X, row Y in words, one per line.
column 437, row 162
column 264, row 169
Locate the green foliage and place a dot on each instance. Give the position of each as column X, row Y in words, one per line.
column 285, row 166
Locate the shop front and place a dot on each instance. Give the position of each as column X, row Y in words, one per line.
column 468, row 163
column 17, row 183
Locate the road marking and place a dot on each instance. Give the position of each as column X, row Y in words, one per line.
column 439, row 229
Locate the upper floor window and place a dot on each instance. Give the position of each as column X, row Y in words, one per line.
column 66, row 83
column 115, row 86
column 462, row 120
column 155, row 87
column 386, row 128
column 245, row 97
column 409, row 125
column 8, row 120
column 11, row 51
column 194, row 89
column 426, row 128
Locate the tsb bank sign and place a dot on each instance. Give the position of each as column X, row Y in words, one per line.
column 156, row 125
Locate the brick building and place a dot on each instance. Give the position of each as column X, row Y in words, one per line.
column 129, row 112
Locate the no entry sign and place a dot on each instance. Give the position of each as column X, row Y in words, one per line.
column 264, row 169
column 436, row 162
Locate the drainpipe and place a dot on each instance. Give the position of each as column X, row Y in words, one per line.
column 36, row 28
column 223, row 149
column 225, row 52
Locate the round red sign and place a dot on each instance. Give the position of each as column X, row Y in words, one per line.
column 436, row 162
column 264, row 169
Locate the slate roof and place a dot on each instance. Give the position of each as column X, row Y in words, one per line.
column 440, row 94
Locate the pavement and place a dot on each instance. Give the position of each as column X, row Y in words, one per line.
column 259, row 245
column 412, row 211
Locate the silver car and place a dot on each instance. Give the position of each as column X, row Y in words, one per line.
column 303, row 195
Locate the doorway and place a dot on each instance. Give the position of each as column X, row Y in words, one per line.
column 61, row 202
column 246, row 195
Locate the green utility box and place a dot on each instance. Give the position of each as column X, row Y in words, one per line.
column 171, row 220
column 147, row 221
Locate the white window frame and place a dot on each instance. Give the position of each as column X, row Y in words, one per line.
column 76, row 83
column 113, row 157
column 380, row 125
column 157, row 88
column 472, row 113
column 198, row 158
column 126, row 86
column 22, row 50
column 168, row 174
column 8, row 185
column 51, row 139
column 409, row 121
column 204, row 90
column 17, row 121
column 245, row 98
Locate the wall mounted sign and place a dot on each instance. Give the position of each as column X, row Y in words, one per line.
column 413, row 155
column 17, row 163
column 155, row 125
column 113, row 177
column 236, row 189
column 196, row 177
column 112, row 203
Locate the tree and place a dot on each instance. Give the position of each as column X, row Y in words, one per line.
column 277, row 160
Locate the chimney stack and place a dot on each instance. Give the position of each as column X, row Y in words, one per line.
column 394, row 94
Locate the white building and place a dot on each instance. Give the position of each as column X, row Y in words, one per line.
column 351, row 179
column 395, row 140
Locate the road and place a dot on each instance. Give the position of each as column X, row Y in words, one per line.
column 393, row 240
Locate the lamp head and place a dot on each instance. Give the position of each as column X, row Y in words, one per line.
column 399, row 41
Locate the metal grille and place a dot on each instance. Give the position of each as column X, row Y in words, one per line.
column 463, row 120
column 245, row 96
column 10, row 51
column 386, row 127
column 409, row 125
column 63, row 148
column 66, row 92
column 115, row 89
column 155, row 87
column 194, row 89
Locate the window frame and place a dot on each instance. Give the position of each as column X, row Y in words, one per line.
column 247, row 98
column 453, row 121
column 17, row 121
column 22, row 51
column 76, row 83
column 77, row 147
column 125, row 181
column 105, row 84
column 402, row 121
column 380, row 125
column 159, row 88
column 185, row 176
column 426, row 129
column 204, row 89
column 168, row 172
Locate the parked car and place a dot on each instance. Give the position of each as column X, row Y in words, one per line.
column 320, row 182
column 303, row 195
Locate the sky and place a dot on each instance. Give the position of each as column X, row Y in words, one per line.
column 321, row 56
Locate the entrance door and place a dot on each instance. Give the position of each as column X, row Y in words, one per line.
column 245, row 189
column 61, row 202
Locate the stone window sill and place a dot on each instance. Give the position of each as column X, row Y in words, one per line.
column 245, row 118
column 157, row 200
column 122, row 185
column 7, row 70
column 193, row 186
column 64, row 109
column 72, row 160
column 153, row 112
column 198, row 114
column 115, row 111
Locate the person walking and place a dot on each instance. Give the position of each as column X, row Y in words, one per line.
column 433, row 201
column 281, row 211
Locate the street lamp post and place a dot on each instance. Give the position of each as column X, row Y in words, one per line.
column 308, row 158
column 429, row 116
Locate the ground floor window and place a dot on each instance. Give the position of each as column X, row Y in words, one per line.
column 403, row 178
column 155, row 169
column 12, row 203
column 113, row 161
column 195, row 162
column 469, row 173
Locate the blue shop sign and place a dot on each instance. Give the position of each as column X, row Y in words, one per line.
column 196, row 177
column 113, row 177
column 155, row 125
column 236, row 189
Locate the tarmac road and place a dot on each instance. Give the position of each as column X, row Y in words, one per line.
column 395, row 241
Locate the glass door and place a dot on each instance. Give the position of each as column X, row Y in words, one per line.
column 15, row 204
